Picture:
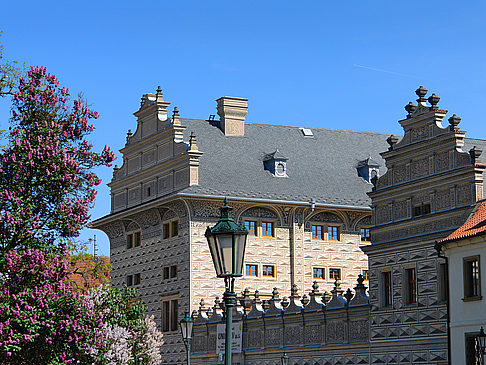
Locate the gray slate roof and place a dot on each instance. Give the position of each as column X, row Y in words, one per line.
column 322, row 167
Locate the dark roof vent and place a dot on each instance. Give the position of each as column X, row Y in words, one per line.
column 276, row 163
column 368, row 169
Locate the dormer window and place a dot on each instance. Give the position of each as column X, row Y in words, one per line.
column 368, row 169
column 276, row 164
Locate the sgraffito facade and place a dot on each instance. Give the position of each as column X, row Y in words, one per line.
column 303, row 195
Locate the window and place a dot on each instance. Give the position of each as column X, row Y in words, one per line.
column 268, row 271
column 130, row 240
column 334, row 274
column 134, row 279
column 472, row 282
column 173, row 271
column 365, row 274
column 365, row 235
column 251, row 227
column 148, row 191
column 318, row 273
column 137, row 279
column 166, row 231
column 137, row 239
column 421, row 209
column 333, row 233
column 251, row 270
column 443, row 282
column 317, row 233
column 169, row 272
column 411, row 285
column 170, row 309
column 387, row 288
column 175, row 229
column 166, row 273
column 267, row 229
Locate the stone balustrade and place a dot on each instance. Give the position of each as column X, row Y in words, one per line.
column 293, row 324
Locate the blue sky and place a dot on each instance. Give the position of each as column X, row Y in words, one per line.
column 350, row 65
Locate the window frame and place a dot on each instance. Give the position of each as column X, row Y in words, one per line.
column 366, row 274
column 331, row 276
column 272, row 223
column 274, row 271
column 316, row 269
column 471, row 285
column 366, row 236
column 174, row 228
column 252, row 266
column 170, row 315
column 317, row 228
column 338, row 233
column 387, row 288
column 248, row 227
column 410, row 287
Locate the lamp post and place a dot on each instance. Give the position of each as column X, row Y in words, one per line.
column 186, row 324
column 227, row 241
column 481, row 341
column 284, row 360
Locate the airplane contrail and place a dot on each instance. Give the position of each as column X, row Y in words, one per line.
column 385, row 71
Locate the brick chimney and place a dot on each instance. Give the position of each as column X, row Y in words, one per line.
column 232, row 112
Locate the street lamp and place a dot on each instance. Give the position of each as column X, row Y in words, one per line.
column 227, row 241
column 187, row 324
column 481, row 338
column 284, row 360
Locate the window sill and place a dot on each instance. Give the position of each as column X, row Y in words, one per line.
column 472, row 299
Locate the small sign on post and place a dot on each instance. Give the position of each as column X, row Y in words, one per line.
column 221, row 338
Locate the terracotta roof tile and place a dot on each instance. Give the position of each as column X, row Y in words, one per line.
column 475, row 225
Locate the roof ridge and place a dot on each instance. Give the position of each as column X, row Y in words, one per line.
column 299, row 127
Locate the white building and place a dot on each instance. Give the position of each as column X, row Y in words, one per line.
column 465, row 250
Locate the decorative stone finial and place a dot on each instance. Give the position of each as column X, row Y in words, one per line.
column 360, row 281
column 410, row 108
column 392, row 141
column 175, row 117
column 201, row 306
column 421, row 92
column 193, row 142
column 257, row 297
column 434, row 100
column 284, row 303
column 454, row 122
column 348, row 295
column 326, row 297
column 294, row 292
column 245, row 300
column 159, row 96
column 305, row 300
column 129, row 135
column 475, row 153
column 265, row 305
column 315, row 288
column 115, row 170
column 275, row 294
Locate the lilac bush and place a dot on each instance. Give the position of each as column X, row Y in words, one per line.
column 47, row 186
column 46, row 180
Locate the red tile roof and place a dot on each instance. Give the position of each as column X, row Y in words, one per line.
column 83, row 276
column 475, row 225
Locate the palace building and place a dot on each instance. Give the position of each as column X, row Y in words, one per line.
column 322, row 206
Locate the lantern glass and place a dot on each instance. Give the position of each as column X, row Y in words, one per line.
column 225, row 246
column 213, row 248
column 240, row 245
column 482, row 340
column 186, row 324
